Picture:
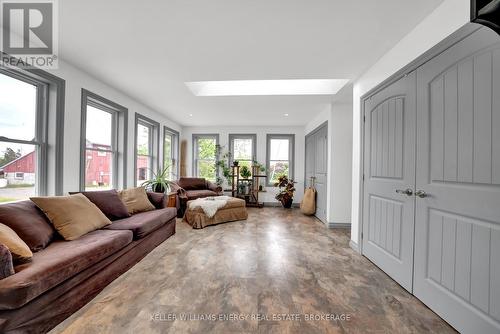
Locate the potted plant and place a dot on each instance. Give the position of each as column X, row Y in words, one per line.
column 286, row 191
column 159, row 182
column 245, row 172
column 235, row 163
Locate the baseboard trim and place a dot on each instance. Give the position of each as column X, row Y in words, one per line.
column 338, row 225
column 276, row 204
column 354, row 246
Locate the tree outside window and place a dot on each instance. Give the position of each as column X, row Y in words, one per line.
column 205, row 156
column 279, row 157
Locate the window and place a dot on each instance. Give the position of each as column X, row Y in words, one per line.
column 146, row 148
column 205, row 156
column 242, row 148
column 103, row 122
column 171, row 152
column 280, row 159
column 23, row 128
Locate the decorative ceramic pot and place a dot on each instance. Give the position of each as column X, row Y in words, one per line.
column 287, row 203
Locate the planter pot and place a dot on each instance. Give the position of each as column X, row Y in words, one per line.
column 158, row 189
column 287, row 204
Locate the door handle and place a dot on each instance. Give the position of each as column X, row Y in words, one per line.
column 421, row 194
column 407, row 192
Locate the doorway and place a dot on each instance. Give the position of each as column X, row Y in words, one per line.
column 431, row 192
column 316, row 167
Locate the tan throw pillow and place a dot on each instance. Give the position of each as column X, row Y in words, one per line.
column 20, row 251
column 136, row 200
column 72, row 216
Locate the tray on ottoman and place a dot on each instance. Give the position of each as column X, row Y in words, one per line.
column 235, row 209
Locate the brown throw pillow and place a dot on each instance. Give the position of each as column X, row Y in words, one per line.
column 21, row 253
column 159, row 200
column 72, row 216
column 6, row 264
column 136, row 200
column 108, row 202
column 29, row 223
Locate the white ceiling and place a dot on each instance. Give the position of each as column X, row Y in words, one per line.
column 148, row 49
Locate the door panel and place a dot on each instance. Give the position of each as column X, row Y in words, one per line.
column 388, row 216
column 309, row 163
column 457, row 226
column 320, row 180
column 316, row 165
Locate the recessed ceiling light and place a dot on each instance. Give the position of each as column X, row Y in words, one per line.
column 286, row 115
column 267, row 87
column 190, row 115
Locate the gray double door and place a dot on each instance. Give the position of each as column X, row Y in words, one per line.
column 316, row 166
column 431, row 215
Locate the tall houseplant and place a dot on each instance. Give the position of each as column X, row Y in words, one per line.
column 286, row 191
column 159, row 182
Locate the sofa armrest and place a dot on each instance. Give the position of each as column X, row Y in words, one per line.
column 174, row 187
column 6, row 264
column 215, row 188
column 159, row 200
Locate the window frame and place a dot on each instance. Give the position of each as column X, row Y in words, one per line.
column 194, row 144
column 233, row 136
column 291, row 155
column 117, row 112
column 40, row 141
column 174, row 150
column 153, row 142
column 51, row 179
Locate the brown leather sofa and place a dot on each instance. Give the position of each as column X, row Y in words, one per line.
column 65, row 275
column 189, row 188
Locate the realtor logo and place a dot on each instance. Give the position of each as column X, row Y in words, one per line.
column 29, row 33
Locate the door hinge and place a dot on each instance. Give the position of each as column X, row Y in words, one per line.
column 361, row 235
column 363, row 177
column 364, row 119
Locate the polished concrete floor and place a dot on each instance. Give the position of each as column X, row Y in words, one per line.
column 277, row 272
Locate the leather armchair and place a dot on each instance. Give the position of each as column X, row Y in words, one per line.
column 190, row 188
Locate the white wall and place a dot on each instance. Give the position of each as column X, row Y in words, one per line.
column 75, row 81
column 443, row 21
column 341, row 183
column 339, row 118
column 261, row 133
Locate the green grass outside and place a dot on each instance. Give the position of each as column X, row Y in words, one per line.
column 7, row 199
column 21, row 185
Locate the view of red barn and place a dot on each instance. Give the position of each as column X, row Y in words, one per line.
column 97, row 167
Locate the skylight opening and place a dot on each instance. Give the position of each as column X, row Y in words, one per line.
column 267, row 87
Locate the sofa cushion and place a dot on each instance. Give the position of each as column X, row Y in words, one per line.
column 194, row 194
column 108, row 202
column 20, row 251
column 72, row 216
column 192, row 183
column 58, row 262
column 136, row 200
column 6, row 264
column 29, row 223
column 143, row 223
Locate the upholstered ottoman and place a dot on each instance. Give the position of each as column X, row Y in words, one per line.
column 235, row 209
